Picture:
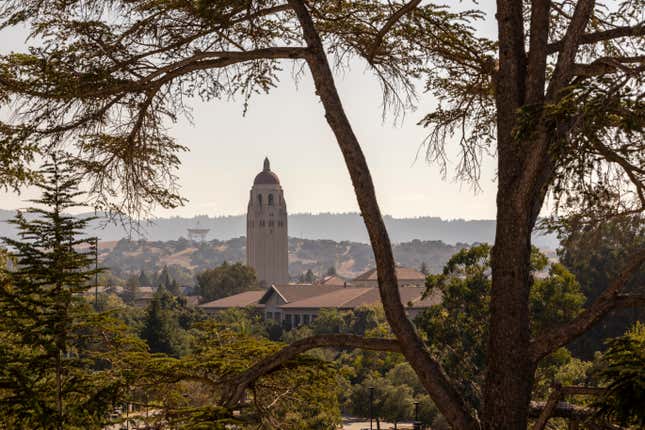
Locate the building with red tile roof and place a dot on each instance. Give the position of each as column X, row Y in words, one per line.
column 297, row 304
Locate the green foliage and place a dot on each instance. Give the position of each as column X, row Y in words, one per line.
column 391, row 401
column 458, row 326
column 90, row 77
column 59, row 359
column 555, row 299
column 226, row 280
column 624, row 375
column 161, row 328
column 143, row 279
column 131, row 290
column 596, row 254
column 330, row 321
column 308, row 277
column 562, row 368
column 301, row 395
column 246, row 322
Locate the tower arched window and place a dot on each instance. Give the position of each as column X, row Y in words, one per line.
column 270, row 199
column 260, row 199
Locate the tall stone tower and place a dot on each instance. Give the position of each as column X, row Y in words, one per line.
column 267, row 248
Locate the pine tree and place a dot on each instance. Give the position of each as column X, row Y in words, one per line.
column 174, row 288
column 45, row 324
column 143, row 279
column 424, row 268
column 161, row 329
column 131, row 290
column 309, row 277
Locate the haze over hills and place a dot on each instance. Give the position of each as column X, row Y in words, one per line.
column 336, row 227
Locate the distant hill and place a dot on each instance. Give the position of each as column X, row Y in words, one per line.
column 185, row 258
column 336, row 227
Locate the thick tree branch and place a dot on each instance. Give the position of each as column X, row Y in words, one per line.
column 378, row 40
column 432, row 376
column 608, row 300
column 606, row 65
column 165, row 74
column 539, row 36
column 276, row 361
column 561, row 410
column 600, row 36
column 549, row 408
column 566, row 56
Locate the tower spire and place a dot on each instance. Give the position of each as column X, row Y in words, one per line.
column 267, row 165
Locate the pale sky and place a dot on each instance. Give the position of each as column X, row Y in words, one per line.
column 288, row 126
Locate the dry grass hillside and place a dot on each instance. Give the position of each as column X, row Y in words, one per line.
column 186, row 258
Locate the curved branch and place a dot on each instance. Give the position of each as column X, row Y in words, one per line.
column 446, row 397
column 600, row 36
column 606, row 65
column 378, row 40
column 608, row 300
column 280, row 358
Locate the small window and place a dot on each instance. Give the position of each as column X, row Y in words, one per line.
column 269, row 315
column 276, row 316
column 305, row 319
column 260, row 199
column 296, row 320
column 261, row 223
column 287, row 321
column 270, row 199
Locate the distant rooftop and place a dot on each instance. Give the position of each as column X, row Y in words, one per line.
column 402, row 274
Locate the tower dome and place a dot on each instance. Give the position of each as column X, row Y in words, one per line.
column 266, row 176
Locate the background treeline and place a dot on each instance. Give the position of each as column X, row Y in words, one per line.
column 185, row 258
column 332, row 226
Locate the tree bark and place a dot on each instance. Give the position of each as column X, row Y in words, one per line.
column 509, row 376
column 430, row 373
column 509, row 373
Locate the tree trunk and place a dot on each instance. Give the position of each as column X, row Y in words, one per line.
column 447, row 399
column 510, row 370
column 59, row 391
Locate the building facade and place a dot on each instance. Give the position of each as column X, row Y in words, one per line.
column 267, row 247
column 292, row 305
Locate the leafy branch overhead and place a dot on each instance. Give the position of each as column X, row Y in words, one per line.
column 112, row 76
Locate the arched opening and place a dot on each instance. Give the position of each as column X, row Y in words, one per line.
column 270, row 199
column 260, row 199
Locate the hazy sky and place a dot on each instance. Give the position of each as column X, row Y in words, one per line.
column 288, row 126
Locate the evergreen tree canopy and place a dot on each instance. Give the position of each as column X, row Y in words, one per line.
column 55, row 360
column 161, row 328
column 624, row 374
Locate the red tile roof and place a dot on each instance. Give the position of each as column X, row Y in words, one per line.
column 294, row 292
column 307, row 296
column 353, row 297
column 402, row 274
column 247, row 298
column 332, row 280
